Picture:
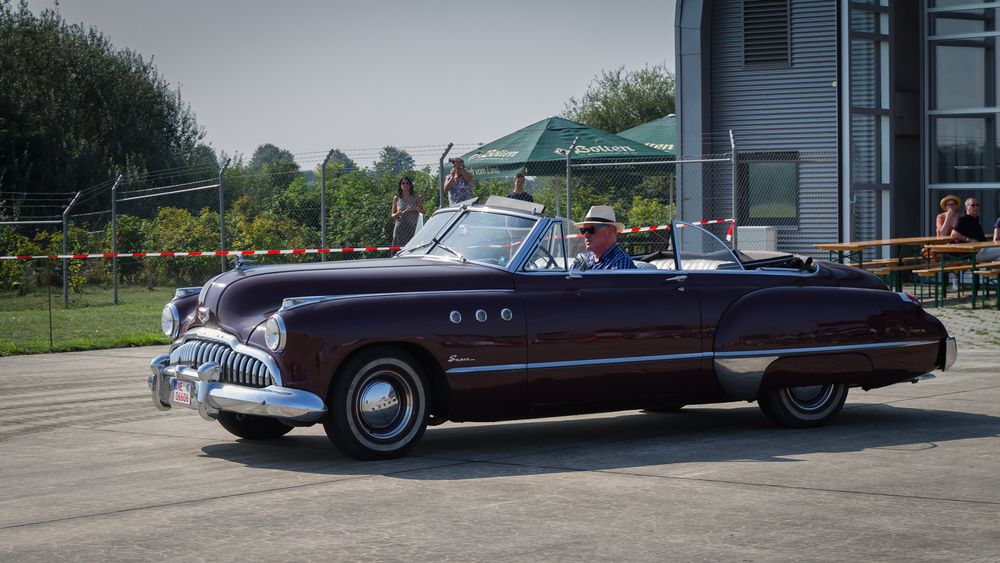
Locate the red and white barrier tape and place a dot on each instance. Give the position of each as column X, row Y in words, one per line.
column 345, row 250
column 196, row 253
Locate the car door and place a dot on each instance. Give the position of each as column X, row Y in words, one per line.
column 609, row 338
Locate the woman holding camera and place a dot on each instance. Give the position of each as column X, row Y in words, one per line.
column 406, row 207
column 458, row 186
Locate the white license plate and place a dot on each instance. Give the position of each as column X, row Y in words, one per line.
column 182, row 392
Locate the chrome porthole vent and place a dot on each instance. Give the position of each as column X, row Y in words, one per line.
column 506, row 314
column 455, row 317
column 481, row 316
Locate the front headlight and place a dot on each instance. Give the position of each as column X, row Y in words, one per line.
column 274, row 334
column 170, row 321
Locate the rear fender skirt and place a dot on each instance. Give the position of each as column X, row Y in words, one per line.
column 742, row 375
column 787, row 336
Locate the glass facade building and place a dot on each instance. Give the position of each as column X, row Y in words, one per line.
column 963, row 76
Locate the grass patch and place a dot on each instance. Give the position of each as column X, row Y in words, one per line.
column 90, row 321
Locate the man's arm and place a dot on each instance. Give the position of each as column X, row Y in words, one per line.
column 959, row 237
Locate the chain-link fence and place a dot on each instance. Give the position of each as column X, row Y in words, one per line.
column 774, row 198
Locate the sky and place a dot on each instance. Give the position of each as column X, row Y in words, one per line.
column 313, row 75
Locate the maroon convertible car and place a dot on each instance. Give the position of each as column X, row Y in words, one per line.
column 481, row 317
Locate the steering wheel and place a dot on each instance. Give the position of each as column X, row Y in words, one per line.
column 550, row 261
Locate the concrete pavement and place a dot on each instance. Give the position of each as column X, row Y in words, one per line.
column 92, row 472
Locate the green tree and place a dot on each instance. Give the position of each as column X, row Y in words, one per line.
column 393, row 161
column 619, row 99
column 339, row 163
column 75, row 111
column 269, row 155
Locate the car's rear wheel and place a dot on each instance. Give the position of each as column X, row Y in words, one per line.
column 803, row 407
column 252, row 427
column 378, row 405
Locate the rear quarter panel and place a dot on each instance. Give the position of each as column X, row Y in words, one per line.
column 884, row 339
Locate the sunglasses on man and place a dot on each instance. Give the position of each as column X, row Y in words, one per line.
column 591, row 229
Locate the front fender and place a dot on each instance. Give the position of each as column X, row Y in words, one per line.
column 322, row 335
column 792, row 336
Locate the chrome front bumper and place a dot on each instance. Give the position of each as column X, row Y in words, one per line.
column 208, row 395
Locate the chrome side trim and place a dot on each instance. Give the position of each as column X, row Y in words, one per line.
column 295, row 302
column 821, row 349
column 234, row 343
column 482, row 369
column 609, row 361
column 580, row 363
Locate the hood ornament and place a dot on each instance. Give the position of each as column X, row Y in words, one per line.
column 240, row 261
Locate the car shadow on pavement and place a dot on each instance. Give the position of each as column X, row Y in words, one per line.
column 620, row 441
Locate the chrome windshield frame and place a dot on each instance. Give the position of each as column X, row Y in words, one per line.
column 463, row 211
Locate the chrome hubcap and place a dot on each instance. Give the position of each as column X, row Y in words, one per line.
column 384, row 405
column 379, row 404
column 810, row 397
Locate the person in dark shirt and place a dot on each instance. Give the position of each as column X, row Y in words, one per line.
column 519, row 192
column 600, row 232
column 969, row 229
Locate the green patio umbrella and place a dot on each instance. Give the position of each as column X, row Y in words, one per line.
column 659, row 134
column 539, row 150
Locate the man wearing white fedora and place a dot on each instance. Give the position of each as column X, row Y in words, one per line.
column 600, row 233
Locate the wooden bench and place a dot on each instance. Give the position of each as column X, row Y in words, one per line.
column 928, row 272
column 991, row 277
column 895, row 272
column 885, row 270
column 890, row 262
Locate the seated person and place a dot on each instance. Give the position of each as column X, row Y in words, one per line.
column 600, row 234
column 969, row 229
column 946, row 221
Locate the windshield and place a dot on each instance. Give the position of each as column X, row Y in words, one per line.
column 701, row 250
column 485, row 237
column 432, row 228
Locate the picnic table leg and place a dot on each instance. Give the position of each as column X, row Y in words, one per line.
column 975, row 280
column 941, row 282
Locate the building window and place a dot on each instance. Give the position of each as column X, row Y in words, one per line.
column 963, row 83
column 765, row 33
column 768, row 189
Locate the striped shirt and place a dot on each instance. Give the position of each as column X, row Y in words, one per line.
column 614, row 259
column 523, row 196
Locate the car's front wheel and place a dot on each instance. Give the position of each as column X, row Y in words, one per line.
column 803, row 407
column 252, row 427
column 378, row 405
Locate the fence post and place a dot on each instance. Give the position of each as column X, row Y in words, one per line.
column 569, row 179
column 114, row 235
column 65, row 250
column 441, row 175
column 322, row 205
column 222, row 214
column 732, row 147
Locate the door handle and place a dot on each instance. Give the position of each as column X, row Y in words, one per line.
column 676, row 279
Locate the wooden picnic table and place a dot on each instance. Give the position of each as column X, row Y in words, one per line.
column 962, row 250
column 855, row 250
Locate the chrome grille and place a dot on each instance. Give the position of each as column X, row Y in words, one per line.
column 236, row 368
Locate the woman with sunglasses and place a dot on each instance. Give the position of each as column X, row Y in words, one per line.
column 406, row 207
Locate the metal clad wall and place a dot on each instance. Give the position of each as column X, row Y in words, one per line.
column 785, row 109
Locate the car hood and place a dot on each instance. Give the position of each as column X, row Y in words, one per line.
column 240, row 299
